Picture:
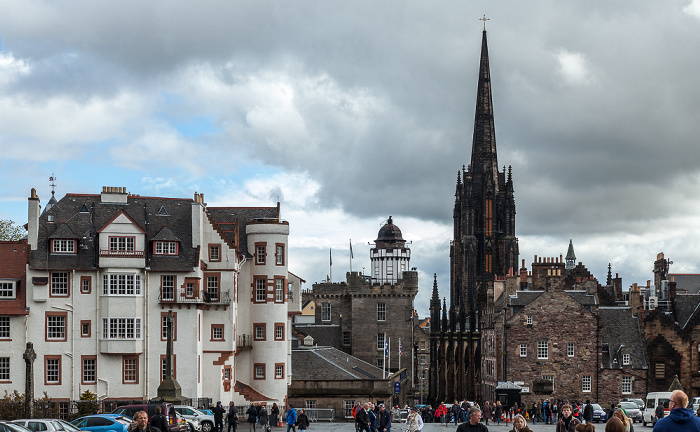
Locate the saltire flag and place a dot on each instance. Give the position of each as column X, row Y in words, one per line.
column 386, row 346
column 399, row 347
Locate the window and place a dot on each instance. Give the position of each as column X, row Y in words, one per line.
column 4, row 327
column 63, row 246
column 347, row 407
column 569, row 349
column 346, row 339
column 586, row 384
column 290, row 291
column 310, row 404
column 121, row 244
column 130, row 370
column 523, row 350
column 164, row 326
column 89, row 374
column 529, row 320
column 260, row 289
column 259, row 371
column 660, row 370
column 121, row 328
column 164, row 367
column 260, row 331
column 381, row 311
column 227, row 373
column 85, row 328
column 85, row 284
column 214, row 252
column 189, row 290
column 542, row 350
column 260, row 253
column 325, row 311
column 165, row 248
column 279, row 332
column 56, row 326
column 279, row 254
column 7, row 290
column 59, row 284
column 626, row 385
column 421, row 359
column 549, row 378
column 167, row 287
column 217, row 332
column 52, row 368
column 625, row 359
column 115, row 284
column 4, row 368
column 213, row 288
column 380, row 341
column 380, row 362
column 279, row 290
column 279, row 370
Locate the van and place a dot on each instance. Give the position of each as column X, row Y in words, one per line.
column 167, row 409
column 653, row 399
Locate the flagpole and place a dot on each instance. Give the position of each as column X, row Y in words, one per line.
column 389, row 355
column 399, row 353
column 330, row 257
column 384, row 354
column 350, row 255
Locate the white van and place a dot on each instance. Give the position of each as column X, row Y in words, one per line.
column 653, row 399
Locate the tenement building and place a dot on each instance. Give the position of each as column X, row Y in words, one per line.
column 485, row 248
column 103, row 272
column 370, row 317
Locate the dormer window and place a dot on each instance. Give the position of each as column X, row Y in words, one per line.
column 625, row 359
column 165, row 248
column 121, row 244
column 8, row 289
column 63, row 246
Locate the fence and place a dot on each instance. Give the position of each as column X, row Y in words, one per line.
column 319, row 414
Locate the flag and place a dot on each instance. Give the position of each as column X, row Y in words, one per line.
column 399, row 347
column 330, row 255
column 351, row 248
column 386, row 346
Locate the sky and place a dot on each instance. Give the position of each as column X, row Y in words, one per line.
column 351, row 112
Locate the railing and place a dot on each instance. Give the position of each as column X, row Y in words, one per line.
column 319, row 414
column 121, row 253
column 223, row 298
column 244, row 342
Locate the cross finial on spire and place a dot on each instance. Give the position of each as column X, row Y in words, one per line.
column 484, row 19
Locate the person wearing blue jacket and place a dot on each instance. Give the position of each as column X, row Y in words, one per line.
column 291, row 418
column 680, row 418
column 384, row 419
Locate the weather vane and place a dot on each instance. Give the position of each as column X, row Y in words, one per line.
column 52, row 179
column 484, row 19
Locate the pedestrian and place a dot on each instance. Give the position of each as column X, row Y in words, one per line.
column 626, row 421
column 140, row 423
column 680, row 418
column 455, row 412
column 547, row 412
column 302, row 420
column 384, row 420
column 588, row 427
column 473, row 425
column 158, row 420
column 567, row 422
column 252, row 414
column 520, row 424
column 362, row 419
column 614, row 425
column 291, row 418
column 498, row 412
column 659, row 411
column 441, row 413
column 219, row 412
column 588, row 412
column 372, row 417
column 357, row 407
column 232, row 417
column 275, row 413
column 263, row 419
column 414, row 422
column 487, row 412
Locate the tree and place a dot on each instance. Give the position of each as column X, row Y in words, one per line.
column 10, row 231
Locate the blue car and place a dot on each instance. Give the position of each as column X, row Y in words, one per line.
column 102, row 423
column 599, row 414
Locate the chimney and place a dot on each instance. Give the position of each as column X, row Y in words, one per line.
column 197, row 210
column 113, row 195
column 33, row 220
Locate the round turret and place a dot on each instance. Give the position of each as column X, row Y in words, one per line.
column 389, row 236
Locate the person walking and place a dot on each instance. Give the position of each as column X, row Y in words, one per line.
column 473, row 424
column 275, row 413
column 302, row 420
column 158, row 420
column 567, row 422
column 263, row 419
column 232, row 417
column 414, row 422
column 291, row 418
column 487, row 412
column 588, row 412
column 455, row 412
column 362, row 418
column 498, row 412
column 384, row 420
column 680, row 418
column 372, row 413
column 219, row 412
column 252, row 414
column 441, row 413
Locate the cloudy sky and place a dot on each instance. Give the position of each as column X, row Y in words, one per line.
column 348, row 112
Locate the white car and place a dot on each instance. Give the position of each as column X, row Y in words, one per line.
column 48, row 425
column 196, row 420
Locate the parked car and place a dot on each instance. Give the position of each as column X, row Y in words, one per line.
column 632, row 411
column 696, row 403
column 49, row 425
column 6, row 426
column 102, row 423
column 599, row 414
column 639, row 402
column 167, row 409
column 198, row 419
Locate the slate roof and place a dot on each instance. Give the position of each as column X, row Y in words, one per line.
column 523, row 298
column 70, row 222
column 230, row 219
column 327, row 363
column 686, row 306
column 686, row 282
column 622, row 333
column 324, row 335
column 582, row 297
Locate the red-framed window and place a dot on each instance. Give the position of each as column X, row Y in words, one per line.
column 163, row 366
column 168, row 284
column 260, row 331
column 279, row 370
column 122, row 243
column 215, row 252
column 164, row 326
column 166, row 248
column 259, row 289
column 130, row 369
column 64, row 246
column 279, row 331
column 85, row 328
column 213, row 286
column 259, row 371
column 85, row 284
column 260, row 253
column 279, row 254
column 56, row 326
column 60, row 284
column 217, row 332
column 52, row 369
column 88, row 369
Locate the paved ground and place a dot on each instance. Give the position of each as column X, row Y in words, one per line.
column 432, row 427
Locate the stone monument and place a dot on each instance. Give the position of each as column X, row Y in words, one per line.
column 169, row 389
column 29, row 357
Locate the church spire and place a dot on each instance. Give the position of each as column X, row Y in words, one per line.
column 570, row 256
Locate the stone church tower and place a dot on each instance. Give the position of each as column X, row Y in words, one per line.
column 484, row 248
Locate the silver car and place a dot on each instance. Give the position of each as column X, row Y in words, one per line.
column 632, row 410
column 196, row 420
column 48, row 425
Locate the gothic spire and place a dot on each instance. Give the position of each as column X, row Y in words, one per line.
column 484, row 160
column 608, row 282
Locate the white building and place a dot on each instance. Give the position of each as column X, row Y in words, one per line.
column 104, row 271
